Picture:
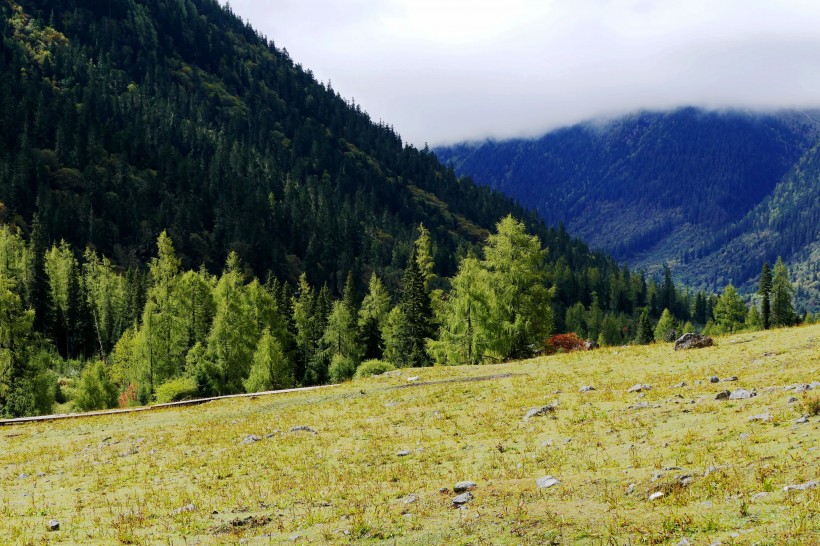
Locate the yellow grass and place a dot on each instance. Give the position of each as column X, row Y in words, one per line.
column 129, row 478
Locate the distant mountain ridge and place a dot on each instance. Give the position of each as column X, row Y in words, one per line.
column 712, row 194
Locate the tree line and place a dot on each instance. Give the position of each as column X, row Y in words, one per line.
column 77, row 329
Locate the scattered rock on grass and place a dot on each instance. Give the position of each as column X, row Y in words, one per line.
column 463, row 499
column 683, row 542
column 302, row 428
column 631, row 488
column 463, row 486
column 763, row 417
column 760, row 495
column 801, row 487
column 186, row 508
column 410, row 499
column 586, row 388
column 714, row 379
column 250, row 438
column 741, row 394
column 693, row 341
column 656, row 495
column 403, row 453
column 543, row 410
column 640, row 387
column 723, row 395
column 546, row 481
column 54, row 525
column 732, row 378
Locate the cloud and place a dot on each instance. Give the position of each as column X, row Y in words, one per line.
column 448, row 70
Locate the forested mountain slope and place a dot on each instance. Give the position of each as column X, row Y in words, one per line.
column 713, row 194
column 121, row 119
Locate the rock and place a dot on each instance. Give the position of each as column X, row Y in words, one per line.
column 590, row 345
column 631, row 488
column 463, row 499
column 723, row 395
column 740, row 394
column 802, row 420
column 744, row 435
column 714, row 379
column 413, row 379
column 186, row 508
column 693, row 341
column 543, row 410
column 656, row 495
column 815, row 384
column 802, row 388
column 711, row 470
column 403, row 453
column 764, row 417
column 302, row 428
column 22, row 476
column 444, row 490
column 760, row 495
column 270, row 435
column 53, row 525
column 791, row 400
column 586, row 388
column 639, row 387
column 801, row 487
column 463, row 486
column 250, row 438
column 684, row 542
column 546, row 481
column 679, row 385
column 410, row 499
column 732, row 378
column 685, row 479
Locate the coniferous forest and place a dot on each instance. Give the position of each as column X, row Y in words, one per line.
column 187, row 212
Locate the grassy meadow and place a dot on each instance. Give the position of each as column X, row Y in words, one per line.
column 387, row 451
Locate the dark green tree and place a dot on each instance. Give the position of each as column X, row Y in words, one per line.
column 782, row 297
column 644, row 334
column 764, row 288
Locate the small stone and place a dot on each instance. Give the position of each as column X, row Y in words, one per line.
column 294, row 537
column 463, row 486
column 656, row 495
column 410, row 499
column 250, row 438
column 791, row 400
column 413, row 379
column 302, row 428
column 631, row 488
column 711, row 470
column 403, row 453
column 740, row 394
column 444, row 490
column 679, row 385
column 186, row 508
column 586, row 388
column 683, row 542
column 723, row 395
column 744, row 435
column 815, row 384
column 732, row 378
column 763, row 417
column 463, row 499
column 543, row 410
column 546, row 481
column 801, row 420
column 801, row 487
column 714, row 379
column 685, row 480
column 270, row 435
column 53, row 525
column 639, row 387
column 22, row 476
column 759, row 495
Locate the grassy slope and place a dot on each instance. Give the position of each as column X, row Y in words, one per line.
column 122, row 478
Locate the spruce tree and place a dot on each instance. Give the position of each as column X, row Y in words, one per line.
column 765, row 289
column 782, row 297
column 415, row 307
column 38, row 295
column 644, row 335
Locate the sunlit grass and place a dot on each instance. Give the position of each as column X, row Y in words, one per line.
column 183, row 476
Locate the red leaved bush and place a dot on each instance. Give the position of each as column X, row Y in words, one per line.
column 564, row 343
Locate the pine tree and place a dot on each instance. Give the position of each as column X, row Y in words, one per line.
column 415, row 328
column 15, row 329
column 644, row 334
column 765, row 289
column 38, row 295
column 782, row 296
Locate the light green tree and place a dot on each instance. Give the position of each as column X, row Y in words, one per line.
column 730, row 311
column 667, row 328
column 270, row 369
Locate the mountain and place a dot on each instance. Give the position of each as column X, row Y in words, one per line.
column 122, row 119
column 711, row 194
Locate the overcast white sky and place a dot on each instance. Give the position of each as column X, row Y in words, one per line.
column 442, row 71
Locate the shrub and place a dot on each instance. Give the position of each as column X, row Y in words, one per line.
column 174, row 390
column 342, row 368
column 96, row 391
column 811, row 404
column 372, row 367
column 128, row 397
column 564, row 343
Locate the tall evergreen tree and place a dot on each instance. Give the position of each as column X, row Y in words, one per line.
column 764, row 288
column 782, row 296
column 644, row 334
column 38, row 295
column 416, row 326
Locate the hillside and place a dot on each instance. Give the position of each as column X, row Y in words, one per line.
column 384, row 455
column 122, row 119
column 712, row 194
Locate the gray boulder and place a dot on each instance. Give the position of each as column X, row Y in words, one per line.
column 693, row 341
column 463, row 499
column 463, row 486
column 543, row 410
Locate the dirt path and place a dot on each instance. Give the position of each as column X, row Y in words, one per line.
column 23, row 420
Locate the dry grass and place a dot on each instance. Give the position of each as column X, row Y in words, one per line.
column 131, row 479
